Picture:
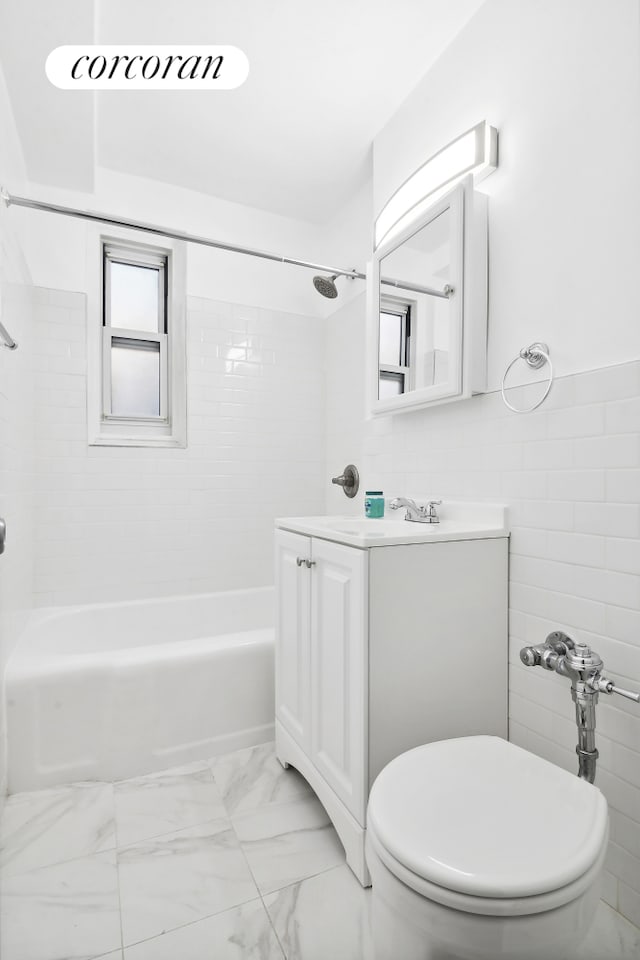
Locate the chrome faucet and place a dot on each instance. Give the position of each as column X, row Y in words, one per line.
column 583, row 666
column 419, row 513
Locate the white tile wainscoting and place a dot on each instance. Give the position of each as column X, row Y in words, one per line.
column 117, row 523
column 570, row 473
column 233, row 859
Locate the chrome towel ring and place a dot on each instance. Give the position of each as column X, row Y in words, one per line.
column 535, row 355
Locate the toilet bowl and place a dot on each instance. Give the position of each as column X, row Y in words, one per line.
column 480, row 850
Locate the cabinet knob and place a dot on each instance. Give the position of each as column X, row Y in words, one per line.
column 310, row 563
column 299, row 561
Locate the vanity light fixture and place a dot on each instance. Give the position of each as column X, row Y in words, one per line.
column 475, row 152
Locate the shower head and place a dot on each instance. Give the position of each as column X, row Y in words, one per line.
column 326, row 286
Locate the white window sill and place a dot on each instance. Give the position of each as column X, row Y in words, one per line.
column 116, row 441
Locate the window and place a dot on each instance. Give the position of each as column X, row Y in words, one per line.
column 137, row 395
column 135, row 335
column 395, row 349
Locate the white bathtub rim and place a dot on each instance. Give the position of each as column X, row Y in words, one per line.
column 38, row 615
column 25, row 670
column 33, row 635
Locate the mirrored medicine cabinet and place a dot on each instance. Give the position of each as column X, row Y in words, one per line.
column 427, row 306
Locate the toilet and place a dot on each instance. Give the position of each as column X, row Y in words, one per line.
column 480, row 850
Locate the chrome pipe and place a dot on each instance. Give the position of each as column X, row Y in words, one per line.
column 144, row 227
column 585, row 700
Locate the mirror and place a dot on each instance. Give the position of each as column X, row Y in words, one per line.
column 414, row 341
column 419, row 300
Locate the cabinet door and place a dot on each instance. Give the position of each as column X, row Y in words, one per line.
column 293, row 606
column 339, row 671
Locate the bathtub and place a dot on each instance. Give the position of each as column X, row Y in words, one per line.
column 112, row 691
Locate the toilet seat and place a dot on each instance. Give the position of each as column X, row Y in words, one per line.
column 485, row 906
column 486, row 827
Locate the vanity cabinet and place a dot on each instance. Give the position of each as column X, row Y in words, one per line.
column 321, row 658
column 379, row 650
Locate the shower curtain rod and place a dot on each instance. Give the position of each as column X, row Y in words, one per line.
column 7, row 339
column 10, row 200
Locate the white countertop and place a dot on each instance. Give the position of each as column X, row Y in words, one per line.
column 459, row 521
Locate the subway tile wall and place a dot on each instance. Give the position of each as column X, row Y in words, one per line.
column 117, row 523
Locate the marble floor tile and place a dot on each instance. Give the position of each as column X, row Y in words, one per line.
column 165, row 802
column 195, row 844
column 68, row 911
column 254, row 777
column 610, row 938
column 287, row 842
column 184, row 876
column 243, row 933
column 327, row 916
column 44, row 827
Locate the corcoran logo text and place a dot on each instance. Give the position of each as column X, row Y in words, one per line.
column 109, row 67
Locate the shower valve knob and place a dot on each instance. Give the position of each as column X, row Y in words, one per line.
column 349, row 480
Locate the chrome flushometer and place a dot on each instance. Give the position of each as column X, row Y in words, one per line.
column 583, row 666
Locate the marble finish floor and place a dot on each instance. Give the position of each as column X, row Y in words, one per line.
column 232, row 859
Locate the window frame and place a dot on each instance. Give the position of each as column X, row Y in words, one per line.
column 169, row 428
column 118, row 253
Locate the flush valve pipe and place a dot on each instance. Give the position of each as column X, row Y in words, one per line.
column 583, row 666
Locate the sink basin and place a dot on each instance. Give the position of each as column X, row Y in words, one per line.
column 375, row 528
column 458, row 522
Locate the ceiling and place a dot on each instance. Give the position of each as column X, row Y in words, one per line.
column 294, row 139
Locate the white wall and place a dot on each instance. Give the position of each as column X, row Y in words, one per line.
column 117, row 523
column 199, row 519
column 345, row 407
column 560, row 81
column 347, row 241
column 16, row 423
